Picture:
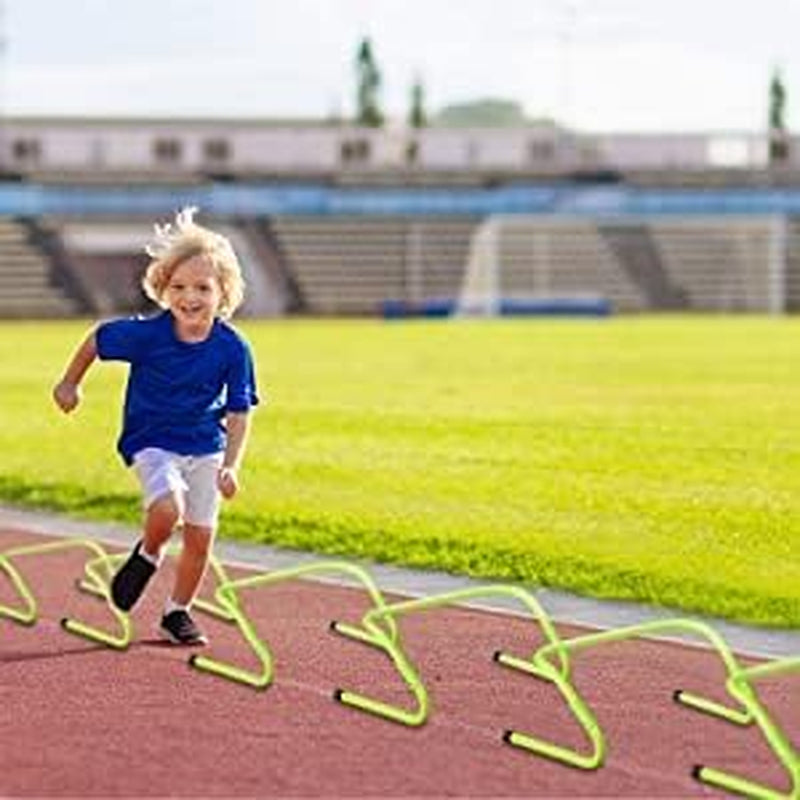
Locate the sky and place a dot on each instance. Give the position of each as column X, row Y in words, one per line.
column 593, row 65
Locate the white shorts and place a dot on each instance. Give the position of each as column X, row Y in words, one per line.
column 193, row 478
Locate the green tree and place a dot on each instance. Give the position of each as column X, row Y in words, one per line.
column 488, row 112
column 368, row 78
column 417, row 118
column 778, row 139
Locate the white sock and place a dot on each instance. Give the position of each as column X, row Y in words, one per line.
column 155, row 560
column 171, row 606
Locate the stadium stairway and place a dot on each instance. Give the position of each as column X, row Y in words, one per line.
column 639, row 258
column 29, row 285
column 282, row 288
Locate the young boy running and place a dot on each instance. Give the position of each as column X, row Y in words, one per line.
column 191, row 386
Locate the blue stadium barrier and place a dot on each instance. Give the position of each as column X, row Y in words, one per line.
column 507, row 307
column 556, row 307
column 402, row 309
column 232, row 199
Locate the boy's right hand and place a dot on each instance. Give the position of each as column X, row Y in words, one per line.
column 66, row 396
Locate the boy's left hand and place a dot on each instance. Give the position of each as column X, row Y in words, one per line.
column 227, row 482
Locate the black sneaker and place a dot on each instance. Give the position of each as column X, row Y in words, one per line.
column 131, row 578
column 180, row 628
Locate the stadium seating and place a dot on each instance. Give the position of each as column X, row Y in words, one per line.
column 347, row 263
column 720, row 264
column 353, row 264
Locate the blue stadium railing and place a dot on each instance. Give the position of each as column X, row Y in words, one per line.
column 30, row 199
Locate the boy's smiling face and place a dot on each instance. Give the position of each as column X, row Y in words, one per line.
column 193, row 295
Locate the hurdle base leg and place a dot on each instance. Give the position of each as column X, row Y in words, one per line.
column 554, row 752
column 355, row 633
column 257, row 680
column 712, row 708
column 378, row 708
column 522, row 665
column 28, row 619
column 120, row 642
column 737, row 785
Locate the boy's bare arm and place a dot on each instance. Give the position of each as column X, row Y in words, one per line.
column 66, row 392
column 238, row 427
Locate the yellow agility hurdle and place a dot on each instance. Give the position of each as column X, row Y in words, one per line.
column 541, row 665
column 419, row 715
column 740, row 685
column 28, row 613
column 227, row 597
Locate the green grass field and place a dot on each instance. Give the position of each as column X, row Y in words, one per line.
column 648, row 458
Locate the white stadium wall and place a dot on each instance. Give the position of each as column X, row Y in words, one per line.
column 248, row 147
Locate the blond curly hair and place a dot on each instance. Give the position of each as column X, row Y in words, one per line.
column 176, row 242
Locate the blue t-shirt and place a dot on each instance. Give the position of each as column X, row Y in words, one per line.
column 178, row 392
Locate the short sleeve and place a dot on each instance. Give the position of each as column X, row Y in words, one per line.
column 120, row 339
column 242, row 391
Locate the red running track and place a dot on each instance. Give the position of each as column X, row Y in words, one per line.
column 77, row 719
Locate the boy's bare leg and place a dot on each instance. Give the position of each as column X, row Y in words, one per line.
column 192, row 563
column 161, row 518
